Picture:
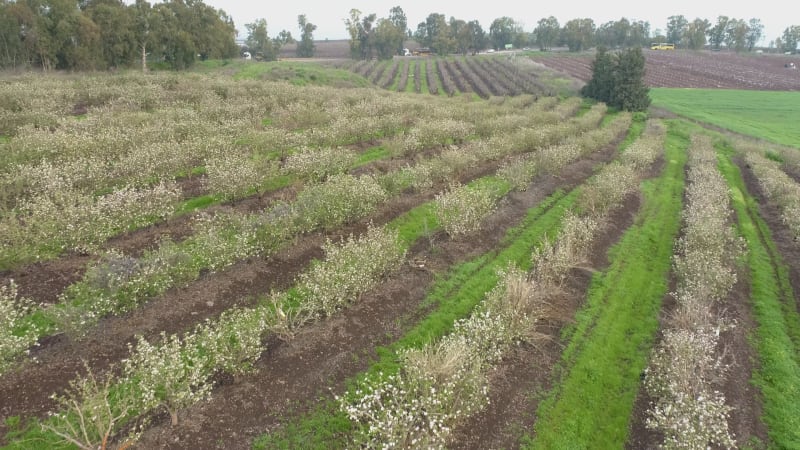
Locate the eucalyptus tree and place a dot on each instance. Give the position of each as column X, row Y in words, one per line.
column 696, row 32
column 305, row 48
column 578, row 34
column 547, row 33
column 677, row 27
column 754, row 33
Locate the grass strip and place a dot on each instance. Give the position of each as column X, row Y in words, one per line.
column 299, row 74
column 638, row 125
column 777, row 334
column 200, row 202
column 396, row 79
column 609, row 346
column 372, row 154
column 423, row 74
column 453, row 296
column 410, row 85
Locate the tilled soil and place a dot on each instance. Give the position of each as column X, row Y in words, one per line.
column 179, row 309
column 694, row 69
column 785, row 242
column 44, row 281
column 324, row 355
column 793, row 172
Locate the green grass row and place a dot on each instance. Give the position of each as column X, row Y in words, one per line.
column 452, row 297
column 777, row 334
column 410, row 84
column 608, row 347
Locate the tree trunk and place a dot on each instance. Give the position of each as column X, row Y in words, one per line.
column 144, row 57
column 173, row 415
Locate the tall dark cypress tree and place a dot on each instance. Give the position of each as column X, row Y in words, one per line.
column 629, row 92
column 599, row 87
column 618, row 80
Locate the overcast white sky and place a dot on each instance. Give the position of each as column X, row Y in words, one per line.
column 329, row 15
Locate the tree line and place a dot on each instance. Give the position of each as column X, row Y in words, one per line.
column 104, row 34
column 371, row 36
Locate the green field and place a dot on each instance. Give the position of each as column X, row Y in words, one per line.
column 769, row 115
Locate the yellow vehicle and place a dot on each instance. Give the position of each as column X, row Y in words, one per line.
column 662, row 46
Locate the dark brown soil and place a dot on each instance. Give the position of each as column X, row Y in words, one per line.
column 787, row 245
column 692, row 69
column 324, row 355
column 520, row 382
column 792, row 171
column 745, row 398
column 136, row 242
column 193, row 186
column 43, row 281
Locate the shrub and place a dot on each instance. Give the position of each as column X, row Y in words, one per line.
column 779, row 187
column 317, row 164
column 348, row 270
column 443, row 382
column 90, row 414
column 519, row 172
column 606, row 189
column 687, row 364
column 118, row 283
column 14, row 338
column 66, row 219
column 234, row 341
column 643, row 152
column 462, row 209
column 174, row 373
column 339, row 199
column 552, row 260
column 687, row 412
column 234, row 176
